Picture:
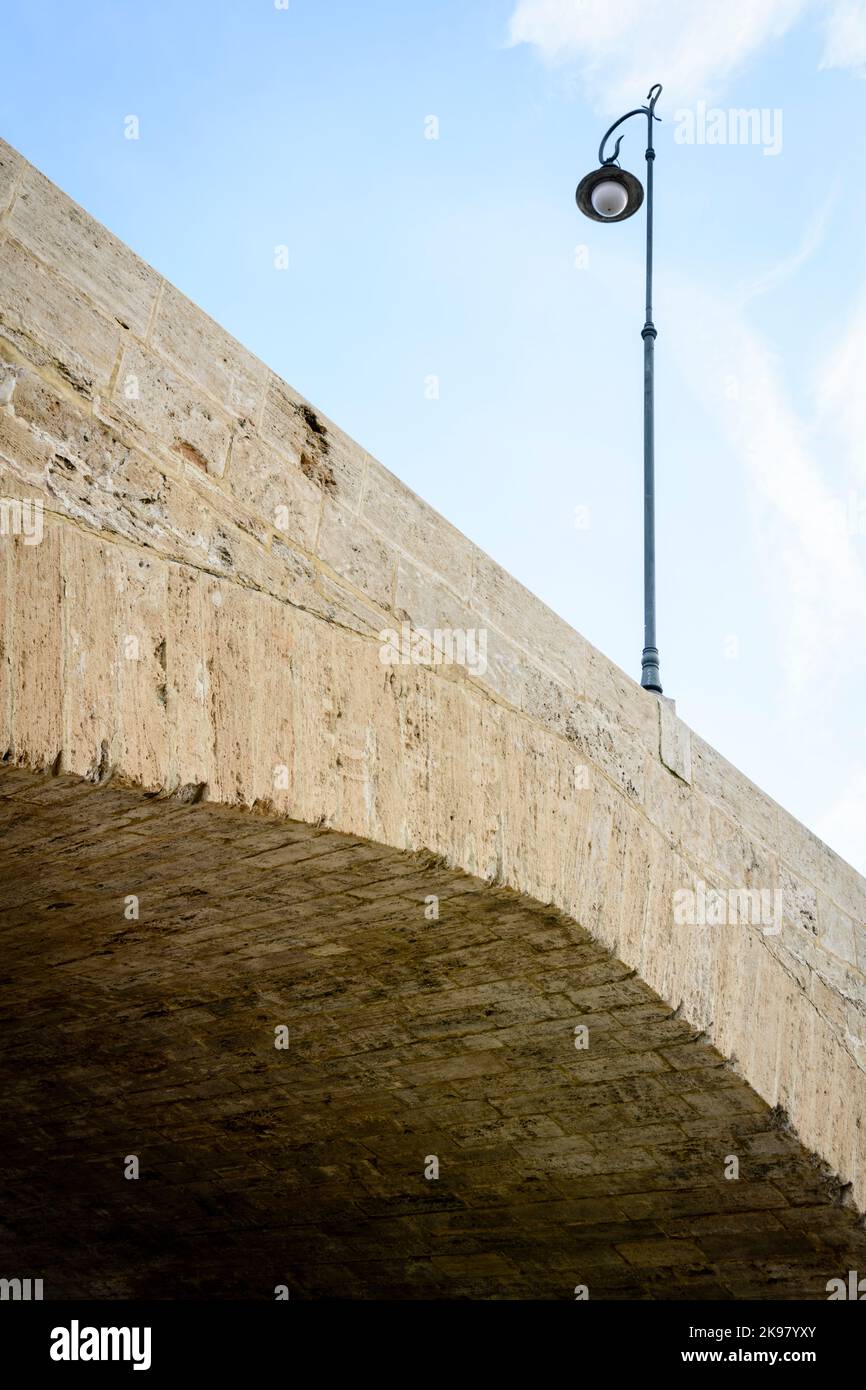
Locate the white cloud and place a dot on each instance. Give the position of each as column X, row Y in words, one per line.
column 841, row 399
column 814, row 565
column 845, row 36
column 693, row 46
column 798, row 454
column 784, row 270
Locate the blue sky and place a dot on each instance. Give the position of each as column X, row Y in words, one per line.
column 464, row 258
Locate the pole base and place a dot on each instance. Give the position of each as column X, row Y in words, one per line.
column 650, row 676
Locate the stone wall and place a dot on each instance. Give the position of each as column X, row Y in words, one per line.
column 204, row 612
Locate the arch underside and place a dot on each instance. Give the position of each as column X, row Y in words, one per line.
column 429, row 1016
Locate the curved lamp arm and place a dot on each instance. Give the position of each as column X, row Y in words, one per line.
column 649, row 111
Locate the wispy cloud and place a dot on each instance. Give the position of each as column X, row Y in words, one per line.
column 814, row 566
column 840, row 397
column 694, row 48
column 845, row 36
column 786, row 269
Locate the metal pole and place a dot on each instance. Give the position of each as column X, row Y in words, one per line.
column 650, row 676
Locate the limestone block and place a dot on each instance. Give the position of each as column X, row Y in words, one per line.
column 27, row 459
column 140, row 590
column 621, row 758
column 559, row 803
column 222, row 506
column 61, row 423
column 344, row 609
column 228, row 640
column 622, row 699
column 163, row 407
column 11, row 164
column 205, row 353
column 800, row 901
column 675, row 744
column 356, row 553
column 855, row 1029
column 505, row 604
column 53, row 324
column 829, row 1003
column 803, row 850
column 188, row 678
column 745, row 803
column 365, row 722
column 92, row 654
column 837, row 932
column 274, row 488
column 587, row 891
column 325, row 455
column 495, row 662
column 32, row 646
column 432, row 607
column 797, row 953
column 540, row 695
column 666, row 801
column 420, row 532
column 82, row 252
column 739, row 857
column 113, row 487
column 230, row 552
column 630, row 867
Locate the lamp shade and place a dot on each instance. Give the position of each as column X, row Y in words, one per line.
column 609, row 194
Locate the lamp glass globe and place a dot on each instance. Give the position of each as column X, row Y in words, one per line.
column 609, row 198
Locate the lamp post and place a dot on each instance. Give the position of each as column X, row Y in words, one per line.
column 611, row 194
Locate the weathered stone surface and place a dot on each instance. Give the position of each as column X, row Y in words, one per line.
column 354, row 552
column 325, row 455
column 675, row 741
column 508, row 606
column 81, row 251
column 32, row 650
column 53, row 325
column 206, row 354
column 429, row 604
column 10, row 168
column 267, row 484
column 840, row 934
column 422, row 534
column 164, row 409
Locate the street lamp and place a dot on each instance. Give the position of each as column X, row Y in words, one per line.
column 611, row 194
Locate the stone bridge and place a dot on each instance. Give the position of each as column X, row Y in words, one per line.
column 334, row 965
